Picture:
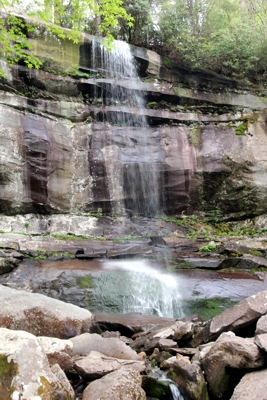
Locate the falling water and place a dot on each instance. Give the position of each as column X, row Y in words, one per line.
column 123, row 106
column 157, row 373
column 135, row 286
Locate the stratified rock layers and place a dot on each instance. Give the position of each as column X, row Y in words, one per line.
column 59, row 153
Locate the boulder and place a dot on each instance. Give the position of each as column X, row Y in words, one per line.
column 188, row 376
column 159, row 336
column 42, row 315
column 261, row 326
column 261, row 341
column 185, row 330
column 58, row 351
column 252, row 386
column 130, row 323
column 96, row 365
column 110, row 347
column 240, row 316
column 25, row 371
column 226, row 353
column 122, row 384
column 149, row 345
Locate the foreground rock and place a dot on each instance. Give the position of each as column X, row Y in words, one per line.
column 25, row 371
column 188, row 376
column 122, row 384
column 209, row 371
column 240, row 316
column 42, row 315
column 96, row 365
column 252, row 386
column 110, row 347
column 58, row 351
column 229, row 352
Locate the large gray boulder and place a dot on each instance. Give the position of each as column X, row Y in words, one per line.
column 41, row 315
column 234, row 319
column 261, row 326
column 122, row 384
column 188, row 376
column 252, row 386
column 110, row 347
column 96, row 365
column 58, row 351
column 229, row 351
column 25, row 371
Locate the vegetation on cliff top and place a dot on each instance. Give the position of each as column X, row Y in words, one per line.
column 226, row 36
column 78, row 15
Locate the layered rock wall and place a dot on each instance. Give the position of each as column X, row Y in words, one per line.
column 60, row 152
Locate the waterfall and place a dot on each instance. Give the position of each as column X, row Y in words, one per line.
column 136, row 286
column 123, row 108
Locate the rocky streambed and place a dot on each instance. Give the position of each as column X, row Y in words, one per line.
column 50, row 350
column 67, row 301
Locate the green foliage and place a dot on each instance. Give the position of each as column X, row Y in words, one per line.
column 140, row 32
column 68, row 236
column 14, row 44
column 241, row 129
column 76, row 15
column 207, row 248
column 152, row 104
column 73, row 71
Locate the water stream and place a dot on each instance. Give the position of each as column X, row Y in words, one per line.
column 138, row 165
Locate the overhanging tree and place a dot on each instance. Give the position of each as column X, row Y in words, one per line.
column 56, row 14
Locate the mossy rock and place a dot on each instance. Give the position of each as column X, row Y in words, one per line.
column 207, row 308
column 7, row 372
column 85, row 282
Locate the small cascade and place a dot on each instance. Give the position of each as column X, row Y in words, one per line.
column 123, row 108
column 135, row 286
column 175, row 393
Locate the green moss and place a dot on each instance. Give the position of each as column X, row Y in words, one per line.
column 6, row 368
column 85, row 282
column 207, row 308
column 7, row 371
column 167, row 62
column 241, row 129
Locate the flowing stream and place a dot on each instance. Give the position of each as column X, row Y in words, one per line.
column 138, row 159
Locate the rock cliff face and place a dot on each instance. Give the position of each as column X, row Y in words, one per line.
column 65, row 146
